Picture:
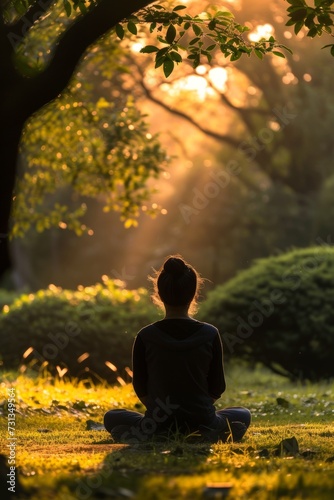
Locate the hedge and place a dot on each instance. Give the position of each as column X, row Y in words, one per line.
column 280, row 312
column 86, row 331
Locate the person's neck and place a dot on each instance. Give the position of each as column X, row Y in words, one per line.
column 172, row 312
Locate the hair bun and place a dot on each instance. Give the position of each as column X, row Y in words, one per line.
column 175, row 266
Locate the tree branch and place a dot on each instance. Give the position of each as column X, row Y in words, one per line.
column 6, row 58
column 84, row 32
column 226, row 100
column 210, row 133
column 20, row 26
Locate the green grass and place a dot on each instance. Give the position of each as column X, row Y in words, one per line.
column 58, row 458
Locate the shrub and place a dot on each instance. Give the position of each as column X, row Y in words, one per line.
column 7, row 297
column 280, row 312
column 79, row 330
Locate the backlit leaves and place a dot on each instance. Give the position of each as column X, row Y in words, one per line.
column 317, row 19
column 198, row 36
column 98, row 151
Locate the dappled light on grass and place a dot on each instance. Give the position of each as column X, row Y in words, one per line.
column 59, row 450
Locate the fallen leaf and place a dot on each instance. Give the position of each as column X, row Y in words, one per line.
column 288, row 447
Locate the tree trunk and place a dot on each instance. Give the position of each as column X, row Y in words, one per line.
column 9, row 143
column 22, row 97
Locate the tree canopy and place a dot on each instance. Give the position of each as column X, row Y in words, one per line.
column 27, row 84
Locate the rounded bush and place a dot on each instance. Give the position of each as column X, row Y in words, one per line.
column 89, row 331
column 280, row 312
column 7, row 297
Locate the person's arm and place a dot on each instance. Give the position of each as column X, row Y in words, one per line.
column 216, row 376
column 139, row 369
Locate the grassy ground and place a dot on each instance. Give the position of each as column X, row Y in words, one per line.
column 58, row 457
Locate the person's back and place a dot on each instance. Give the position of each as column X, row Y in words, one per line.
column 183, row 365
column 178, row 369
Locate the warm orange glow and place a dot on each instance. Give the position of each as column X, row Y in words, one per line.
column 136, row 47
column 111, row 366
column 83, row 356
column 218, row 77
column 61, row 371
column 121, row 381
column 289, row 78
column 263, row 31
column 27, row 352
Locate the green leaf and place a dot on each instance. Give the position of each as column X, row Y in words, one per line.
column 175, row 56
column 168, row 67
column 279, row 54
column 211, row 47
column 236, row 56
column 298, row 26
column 296, row 2
column 162, row 52
column 197, row 30
column 68, row 7
column 299, row 14
column 225, row 13
column 159, row 61
column 119, row 31
column 149, row 49
column 313, row 32
column 179, row 7
column 258, row 53
column 171, row 34
column 82, row 7
column 194, row 40
column 286, row 48
column 132, row 28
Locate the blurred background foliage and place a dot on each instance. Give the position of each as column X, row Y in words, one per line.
column 279, row 313
column 270, row 119
column 86, row 333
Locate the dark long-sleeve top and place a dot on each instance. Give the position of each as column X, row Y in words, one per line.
column 178, row 369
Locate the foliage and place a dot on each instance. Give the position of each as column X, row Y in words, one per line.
column 317, row 19
column 7, row 297
column 212, row 30
column 263, row 131
column 98, row 150
column 60, row 457
column 87, row 332
column 199, row 36
column 279, row 312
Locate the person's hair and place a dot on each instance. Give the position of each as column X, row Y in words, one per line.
column 176, row 283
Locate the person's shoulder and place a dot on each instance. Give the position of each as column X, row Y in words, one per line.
column 146, row 329
column 210, row 327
